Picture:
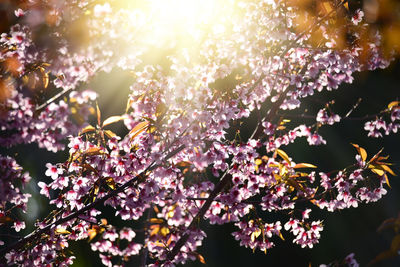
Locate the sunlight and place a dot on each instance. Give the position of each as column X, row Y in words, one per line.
column 183, row 21
column 186, row 16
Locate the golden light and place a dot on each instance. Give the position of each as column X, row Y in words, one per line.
column 188, row 17
column 180, row 22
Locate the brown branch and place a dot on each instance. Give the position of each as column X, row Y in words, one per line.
column 218, row 188
column 54, row 98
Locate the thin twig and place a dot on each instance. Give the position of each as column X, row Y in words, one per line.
column 353, row 108
column 51, row 100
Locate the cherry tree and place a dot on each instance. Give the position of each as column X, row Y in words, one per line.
column 204, row 132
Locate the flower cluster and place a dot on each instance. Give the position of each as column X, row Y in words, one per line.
column 379, row 126
column 324, row 118
column 11, row 196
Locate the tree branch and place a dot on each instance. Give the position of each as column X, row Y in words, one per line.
column 97, row 202
column 54, row 98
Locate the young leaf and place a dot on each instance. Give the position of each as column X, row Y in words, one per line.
column 110, row 134
column 255, row 234
column 92, row 151
column 164, row 231
column 61, row 231
column 376, row 156
column 258, row 162
column 283, row 155
column 201, row 258
column 87, row 129
column 295, row 184
column 155, row 228
column 156, row 220
column 110, row 182
column 169, row 240
column 113, row 119
column 92, row 233
column 387, row 181
column 140, row 127
column 361, row 151
column 45, row 80
column 281, row 128
column 281, row 236
column 161, row 108
column 389, row 170
column 90, row 168
column 376, row 169
column 96, row 190
column 304, row 165
column 159, row 244
column 393, row 104
column 98, row 114
column 128, row 104
column 5, row 219
column 183, row 164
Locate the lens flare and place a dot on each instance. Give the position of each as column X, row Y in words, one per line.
column 181, row 21
column 187, row 16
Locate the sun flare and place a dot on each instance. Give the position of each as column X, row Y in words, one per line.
column 187, row 16
column 182, row 21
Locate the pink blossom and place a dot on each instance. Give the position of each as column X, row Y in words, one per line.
column 18, row 225
column 44, row 189
column 19, row 13
column 357, row 17
column 53, row 171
